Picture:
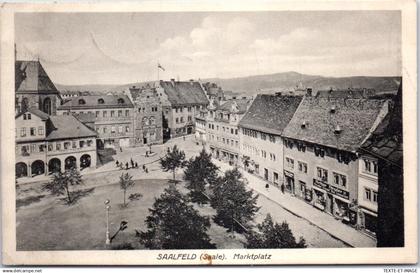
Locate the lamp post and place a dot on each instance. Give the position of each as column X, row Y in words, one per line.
column 107, row 207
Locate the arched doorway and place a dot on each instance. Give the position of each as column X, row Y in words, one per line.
column 70, row 163
column 21, row 169
column 47, row 106
column 85, row 161
column 54, row 165
column 37, row 167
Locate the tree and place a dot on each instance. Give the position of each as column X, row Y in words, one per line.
column 61, row 183
column 173, row 160
column 173, row 224
column 273, row 235
column 233, row 203
column 199, row 172
column 126, row 182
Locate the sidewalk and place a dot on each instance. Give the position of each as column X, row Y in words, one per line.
column 298, row 207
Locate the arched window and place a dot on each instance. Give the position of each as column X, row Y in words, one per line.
column 101, row 101
column 120, row 101
column 82, row 101
column 47, row 106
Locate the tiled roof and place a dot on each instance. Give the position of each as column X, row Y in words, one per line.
column 184, row 93
column 136, row 91
column 31, row 77
column 227, row 106
column 346, row 94
column 386, row 142
column 36, row 112
column 93, row 102
column 67, row 127
column 317, row 119
column 270, row 113
column 85, row 117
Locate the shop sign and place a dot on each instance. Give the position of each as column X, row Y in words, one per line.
column 331, row 189
column 290, row 174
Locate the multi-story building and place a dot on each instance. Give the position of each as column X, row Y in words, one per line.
column 214, row 92
column 181, row 102
column 34, row 88
column 380, row 194
column 222, row 129
column 147, row 115
column 261, row 135
column 201, row 125
column 46, row 144
column 113, row 117
column 320, row 150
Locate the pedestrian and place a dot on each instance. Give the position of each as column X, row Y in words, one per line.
column 132, row 163
column 183, row 138
column 147, row 154
column 136, row 165
column 144, row 168
column 147, row 170
column 267, row 186
column 121, row 149
column 117, row 163
column 282, row 188
column 169, row 150
column 126, row 165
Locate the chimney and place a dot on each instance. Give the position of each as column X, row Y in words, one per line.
column 191, row 82
column 173, row 82
column 309, row 92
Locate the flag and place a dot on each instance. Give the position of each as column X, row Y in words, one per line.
column 161, row 67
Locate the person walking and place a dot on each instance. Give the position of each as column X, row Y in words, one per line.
column 282, row 188
column 132, row 162
column 126, row 165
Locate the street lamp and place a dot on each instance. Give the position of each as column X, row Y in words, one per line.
column 107, row 207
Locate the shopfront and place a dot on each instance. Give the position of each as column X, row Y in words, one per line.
column 331, row 199
column 290, row 181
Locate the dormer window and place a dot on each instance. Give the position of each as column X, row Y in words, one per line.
column 332, row 109
column 120, row 101
column 337, row 130
column 101, row 101
column 303, row 125
column 82, row 101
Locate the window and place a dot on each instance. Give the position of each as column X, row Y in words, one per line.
column 82, row 101
column 375, row 196
column 120, row 129
column 105, row 130
column 127, row 129
column 263, row 136
column 236, row 144
column 272, row 138
column 101, row 101
column 371, row 166
column 177, row 121
column 112, row 129
column 189, row 118
column 368, row 194
column 29, row 116
column 24, row 117
column 22, row 132
column 112, row 113
column 231, row 131
column 119, row 113
column 89, row 143
column 340, row 180
column 236, row 131
column 58, row 146
column 41, row 147
column 50, row 147
column 302, row 167
column 319, row 152
column 97, row 113
column 105, row 114
column 176, row 109
column 127, row 113
column 290, row 163
column 74, row 144
column 189, row 109
column 33, row 131
column 120, row 101
column 322, row 173
column 272, row 157
column 40, row 130
column 301, row 147
column 182, row 120
column 66, row 145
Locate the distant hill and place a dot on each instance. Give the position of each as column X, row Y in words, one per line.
column 269, row 83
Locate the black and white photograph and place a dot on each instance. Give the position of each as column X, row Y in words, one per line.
column 208, row 130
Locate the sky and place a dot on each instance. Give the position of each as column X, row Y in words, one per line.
column 120, row 48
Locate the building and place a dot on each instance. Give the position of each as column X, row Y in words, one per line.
column 222, row 129
column 261, row 135
column 181, row 102
column 201, row 125
column 113, row 118
column 381, row 183
column 321, row 163
column 213, row 91
column 147, row 115
column 47, row 144
column 34, row 88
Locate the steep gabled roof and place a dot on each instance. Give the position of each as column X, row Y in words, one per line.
column 337, row 123
column 93, row 102
column 184, row 93
column 386, row 142
column 270, row 113
column 30, row 77
column 67, row 127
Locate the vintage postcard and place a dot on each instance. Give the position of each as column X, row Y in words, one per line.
column 209, row 133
